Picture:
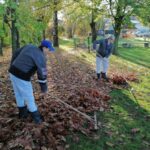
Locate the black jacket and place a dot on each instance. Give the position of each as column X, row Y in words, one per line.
column 104, row 49
column 26, row 61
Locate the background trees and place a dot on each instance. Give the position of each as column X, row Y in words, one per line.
column 26, row 20
column 144, row 12
column 120, row 11
column 85, row 14
column 30, row 21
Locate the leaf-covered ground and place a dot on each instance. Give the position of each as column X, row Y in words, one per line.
column 70, row 80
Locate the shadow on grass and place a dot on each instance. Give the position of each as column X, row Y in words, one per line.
column 125, row 127
column 140, row 56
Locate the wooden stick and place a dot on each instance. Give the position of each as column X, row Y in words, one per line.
column 94, row 121
column 76, row 110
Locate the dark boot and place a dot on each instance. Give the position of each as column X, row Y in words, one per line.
column 36, row 116
column 104, row 76
column 98, row 76
column 23, row 112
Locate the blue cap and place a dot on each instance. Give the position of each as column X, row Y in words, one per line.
column 48, row 44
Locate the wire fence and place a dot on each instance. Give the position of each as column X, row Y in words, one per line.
column 125, row 43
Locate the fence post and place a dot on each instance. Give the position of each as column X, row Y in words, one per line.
column 146, row 44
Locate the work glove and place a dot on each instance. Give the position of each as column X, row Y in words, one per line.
column 43, row 87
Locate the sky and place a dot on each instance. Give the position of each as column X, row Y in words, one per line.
column 1, row 1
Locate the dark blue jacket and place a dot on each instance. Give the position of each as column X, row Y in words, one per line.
column 26, row 61
column 103, row 49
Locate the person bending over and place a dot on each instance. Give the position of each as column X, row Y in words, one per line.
column 24, row 63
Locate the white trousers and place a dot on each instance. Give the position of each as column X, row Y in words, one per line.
column 102, row 64
column 23, row 93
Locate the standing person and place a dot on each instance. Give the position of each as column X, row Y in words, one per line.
column 103, row 51
column 25, row 62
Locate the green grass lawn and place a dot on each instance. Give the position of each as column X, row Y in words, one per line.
column 135, row 42
column 140, row 56
column 126, row 126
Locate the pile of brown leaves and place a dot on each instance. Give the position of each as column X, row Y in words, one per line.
column 88, row 100
column 120, row 79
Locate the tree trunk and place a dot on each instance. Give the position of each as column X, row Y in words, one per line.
column 117, row 31
column 74, row 28
column 14, row 31
column 55, row 32
column 44, row 35
column 1, row 46
column 115, row 50
column 18, row 38
column 93, row 27
column 69, row 32
column 14, row 36
column 93, row 30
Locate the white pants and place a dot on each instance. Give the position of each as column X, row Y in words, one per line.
column 102, row 64
column 23, row 93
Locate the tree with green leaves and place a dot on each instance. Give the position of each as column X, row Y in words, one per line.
column 94, row 10
column 82, row 10
column 11, row 21
column 27, row 21
column 54, row 7
column 120, row 11
column 75, row 21
column 144, row 12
